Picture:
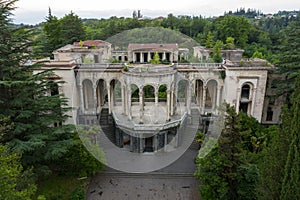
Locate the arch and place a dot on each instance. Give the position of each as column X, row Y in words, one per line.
column 246, row 98
column 135, row 93
column 88, row 94
column 199, row 91
column 149, row 93
column 115, row 91
column 182, row 87
column 101, row 91
column 211, row 94
column 162, row 93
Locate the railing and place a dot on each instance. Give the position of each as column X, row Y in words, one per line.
column 149, row 127
column 198, row 65
column 101, row 66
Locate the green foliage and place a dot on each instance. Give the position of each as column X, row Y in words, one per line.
column 289, row 57
column 216, row 55
column 229, row 43
column 61, row 187
column 257, row 54
column 155, row 59
column 291, row 181
column 209, row 43
column 78, row 161
column 60, row 32
column 226, row 172
column 36, row 111
column 15, row 183
column 78, row 194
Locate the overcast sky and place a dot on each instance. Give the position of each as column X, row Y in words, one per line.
column 35, row 11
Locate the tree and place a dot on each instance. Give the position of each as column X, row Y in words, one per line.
column 225, row 173
column 233, row 26
column 52, row 30
column 216, row 54
column 60, row 32
column 291, row 181
column 289, row 57
column 15, row 183
column 209, row 43
column 72, row 29
column 155, row 59
column 36, row 111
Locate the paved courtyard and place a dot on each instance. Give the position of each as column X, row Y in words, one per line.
column 174, row 182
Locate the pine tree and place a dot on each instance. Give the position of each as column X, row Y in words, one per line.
column 38, row 133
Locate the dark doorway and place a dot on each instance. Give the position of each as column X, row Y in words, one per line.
column 244, row 107
column 148, row 144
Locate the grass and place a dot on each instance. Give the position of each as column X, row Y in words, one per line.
column 60, row 187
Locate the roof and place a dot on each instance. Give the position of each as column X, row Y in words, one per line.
column 172, row 47
column 91, row 43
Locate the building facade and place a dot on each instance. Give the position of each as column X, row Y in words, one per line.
column 142, row 106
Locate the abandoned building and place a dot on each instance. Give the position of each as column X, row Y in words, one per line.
column 142, row 105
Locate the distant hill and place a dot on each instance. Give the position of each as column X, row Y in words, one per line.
column 151, row 35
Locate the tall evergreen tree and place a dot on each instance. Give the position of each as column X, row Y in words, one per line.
column 72, row 29
column 35, row 110
column 291, row 182
column 288, row 63
column 52, row 30
column 224, row 173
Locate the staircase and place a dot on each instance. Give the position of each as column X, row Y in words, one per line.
column 196, row 118
column 107, row 125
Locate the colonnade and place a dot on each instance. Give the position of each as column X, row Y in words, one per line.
column 94, row 96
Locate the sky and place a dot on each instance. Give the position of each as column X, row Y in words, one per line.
column 35, row 11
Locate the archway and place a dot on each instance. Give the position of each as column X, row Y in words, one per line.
column 115, row 91
column 162, row 93
column 199, row 92
column 88, row 94
column 149, row 93
column 135, row 93
column 101, row 94
column 211, row 94
column 245, row 98
column 182, row 88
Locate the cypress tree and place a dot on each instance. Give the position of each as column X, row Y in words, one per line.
column 291, row 181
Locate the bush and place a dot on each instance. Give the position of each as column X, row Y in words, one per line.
column 78, row 194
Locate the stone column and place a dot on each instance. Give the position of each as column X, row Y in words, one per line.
column 164, row 56
column 95, row 99
column 168, row 104
column 82, row 108
column 166, row 141
column 238, row 98
column 218, row 96
column 253, row 102
column 172, row 101
column 133, row 57
column 156, row 96
column 109, row 98
column 149, row 56
column 123, row 99
column 141, row 144
column 204, row 98
column 129, row 103
column 141, row 101
column 141, row 57
column 189, row 98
